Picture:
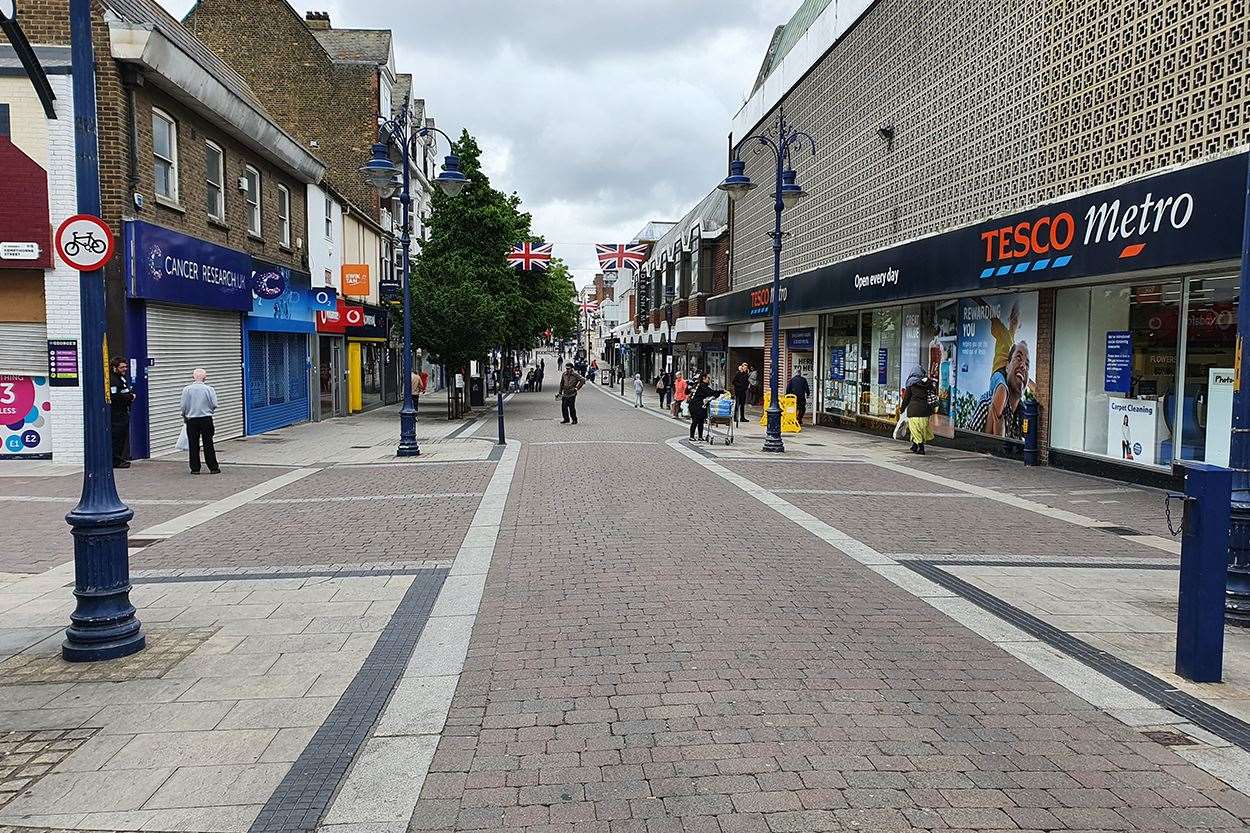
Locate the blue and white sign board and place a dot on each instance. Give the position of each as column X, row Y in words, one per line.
column 163, row 265
column 837, row 364
column 1118, row 373
column 883, row 365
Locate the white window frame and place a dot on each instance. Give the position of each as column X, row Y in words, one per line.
column 220, row 184
column 254, row 212
column 329, row 219
column 284, row 215
column 172, row 162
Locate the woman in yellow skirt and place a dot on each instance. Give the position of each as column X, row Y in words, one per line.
column 919, row 399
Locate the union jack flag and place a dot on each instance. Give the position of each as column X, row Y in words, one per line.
column 617, row 256
column 588, row 306
column 527, row 256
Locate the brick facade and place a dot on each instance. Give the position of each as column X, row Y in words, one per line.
column 315, row 99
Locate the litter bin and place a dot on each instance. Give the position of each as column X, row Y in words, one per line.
column 477, row 391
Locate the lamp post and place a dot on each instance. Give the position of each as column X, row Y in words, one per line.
column 103, row 624
column 788, row 192
column 381, row 173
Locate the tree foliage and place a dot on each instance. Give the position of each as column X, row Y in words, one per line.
column 466, row 300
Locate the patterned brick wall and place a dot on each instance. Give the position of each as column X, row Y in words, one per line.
column 995, row 105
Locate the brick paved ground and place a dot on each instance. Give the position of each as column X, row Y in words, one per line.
column 702, row 665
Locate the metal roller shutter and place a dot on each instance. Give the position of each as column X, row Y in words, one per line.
column 180, row 339
column 24, row 349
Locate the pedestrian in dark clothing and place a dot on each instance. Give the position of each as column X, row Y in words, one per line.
column 199, row 403
column 799, row 387
column 742, row 387
column 538, row 377
column 570, row 383
column 698, row 400
column 664, row 387
column 121, row 397
column 919, row 398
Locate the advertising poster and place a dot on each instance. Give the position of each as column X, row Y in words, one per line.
column 1131, row 425
column 837, row 363
column 1219, row 415
column 996, row 346
column 25, row 411
column 1118, row 370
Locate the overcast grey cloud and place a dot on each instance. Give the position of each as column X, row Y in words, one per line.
column 600, row 114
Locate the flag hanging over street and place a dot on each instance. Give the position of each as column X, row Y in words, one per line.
column 527, row 256
column 588, row 306
column 620, row 255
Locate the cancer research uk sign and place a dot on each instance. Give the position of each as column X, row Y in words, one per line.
column 163, row 265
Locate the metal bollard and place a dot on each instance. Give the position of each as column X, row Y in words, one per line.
column 1030, row 411
column 1204, row 561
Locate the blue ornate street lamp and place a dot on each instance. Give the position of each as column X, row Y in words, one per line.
column 103, row 624
column 381, row 173
column 786, row 194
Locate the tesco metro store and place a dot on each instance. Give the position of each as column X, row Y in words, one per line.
column 1116, row 308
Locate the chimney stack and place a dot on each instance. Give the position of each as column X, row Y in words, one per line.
column 317, row 20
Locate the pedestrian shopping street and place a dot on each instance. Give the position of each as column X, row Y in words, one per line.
column 846, row 637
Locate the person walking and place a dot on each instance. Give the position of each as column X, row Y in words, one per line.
column 418, row 383
column 919, row 398
column 679, row 393
column 199, row 403
column 799, row 387
column 121, row 398
column 753, row 381
column 638, row 391
column 664, row 387
column 703, row 391
column 538, row 376
column 741, row 386
column 570, row 383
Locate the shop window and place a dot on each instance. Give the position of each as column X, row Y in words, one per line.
column 251, row 193
column 840, row 385
column 165, row 156
column 996, row 354
column 1210, row 343
column 215, row 181
column 879, row 348
column 284, row 216
column 1115, row 370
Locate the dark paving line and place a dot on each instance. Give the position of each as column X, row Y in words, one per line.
column 304, row 795
column 1158, row 691
column 1085, row 565
column 496, row 454
column 381, row 571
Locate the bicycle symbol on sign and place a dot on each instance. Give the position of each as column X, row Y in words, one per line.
column 85, row 241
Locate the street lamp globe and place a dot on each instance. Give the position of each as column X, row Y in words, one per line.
column 791, row 191
column 737, row 184
column 451, row 180
column 380, row 172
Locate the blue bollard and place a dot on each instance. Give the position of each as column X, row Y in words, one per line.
column 1029, row 427
column 1204, row 561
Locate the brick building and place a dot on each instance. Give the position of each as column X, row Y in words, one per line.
column 330, row 86
column 1022, row 198
column 203, row 190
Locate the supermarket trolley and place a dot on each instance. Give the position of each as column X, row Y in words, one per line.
column 720, row 411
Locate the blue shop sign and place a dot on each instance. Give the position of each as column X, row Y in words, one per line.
column 163, row 265
column 1176, row 218
column 283, row 298
column 800, row 340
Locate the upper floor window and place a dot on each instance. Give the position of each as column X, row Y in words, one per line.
column 329, row 220
column 284, row 215
column 165, row 155
column 251, row 193
column 215, row 178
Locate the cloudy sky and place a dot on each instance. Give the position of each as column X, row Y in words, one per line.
column 601, row 114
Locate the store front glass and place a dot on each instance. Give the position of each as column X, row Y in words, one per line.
column 1115, row 372
column 880, row 344
column 373, row 368
column 840, row 385
column 1210, row 343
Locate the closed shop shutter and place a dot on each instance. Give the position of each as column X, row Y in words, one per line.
column 24, row 349
column 180, row 339
column 277, row 384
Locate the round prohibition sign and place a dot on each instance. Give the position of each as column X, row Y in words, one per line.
column 84, row 242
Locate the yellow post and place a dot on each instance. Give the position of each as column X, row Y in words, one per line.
column 790, row 414
column 355, row 393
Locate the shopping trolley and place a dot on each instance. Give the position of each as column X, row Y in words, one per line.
column 720, row 411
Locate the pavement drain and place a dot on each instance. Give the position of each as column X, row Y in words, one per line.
column 166, row 647
column 25, row 757
column 1168, row 737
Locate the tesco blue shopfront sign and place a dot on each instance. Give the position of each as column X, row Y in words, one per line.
column 164, row 265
